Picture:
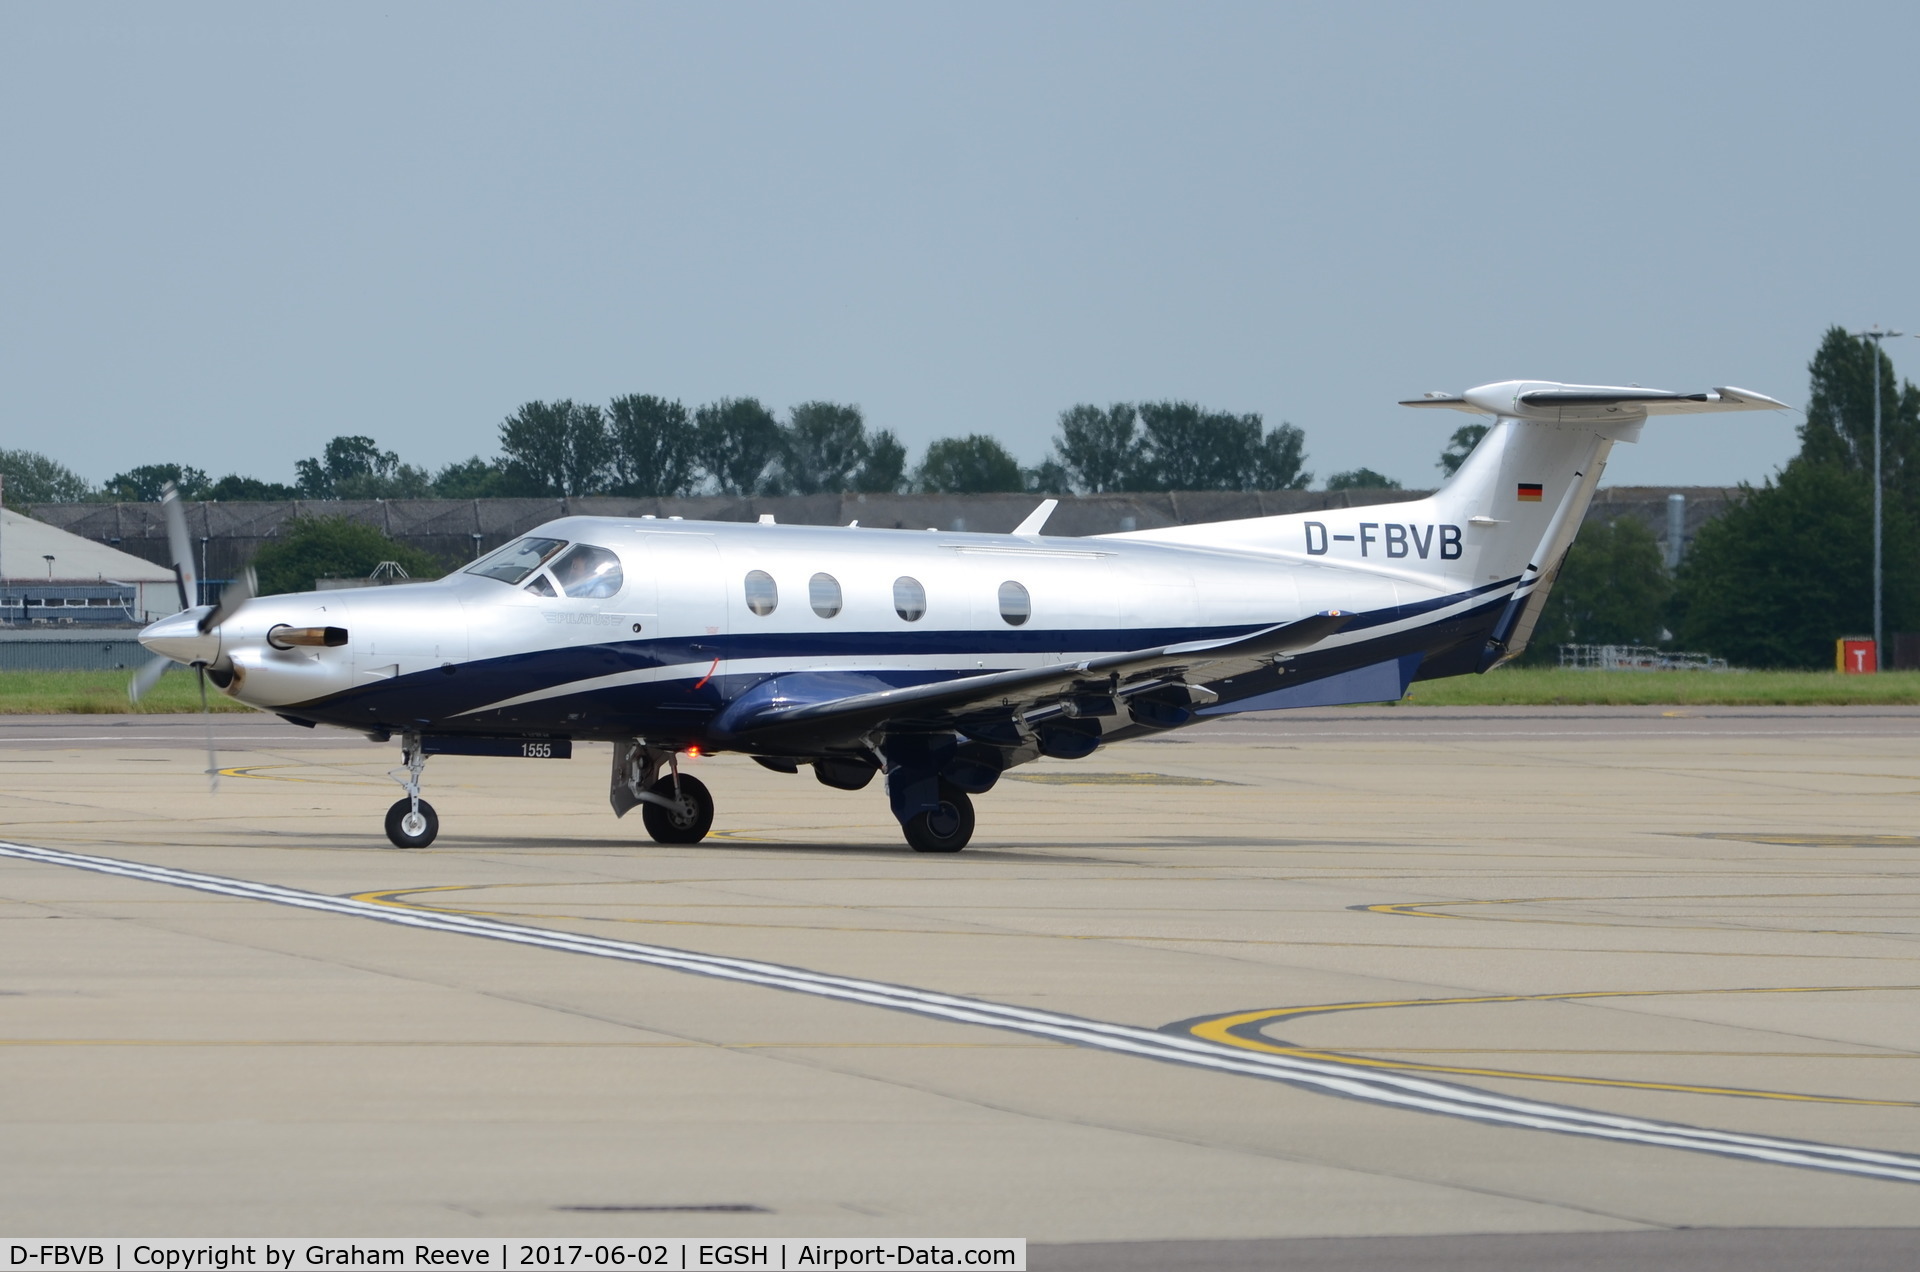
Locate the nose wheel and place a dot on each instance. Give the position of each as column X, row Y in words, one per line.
column 412, row 823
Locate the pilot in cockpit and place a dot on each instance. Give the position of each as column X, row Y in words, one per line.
column 589, row 572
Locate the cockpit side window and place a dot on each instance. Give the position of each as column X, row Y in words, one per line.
column 518, row 559
column 588, row 572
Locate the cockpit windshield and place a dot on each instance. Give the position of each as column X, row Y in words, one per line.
column 517, row 560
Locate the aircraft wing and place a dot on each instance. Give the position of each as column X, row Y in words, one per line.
column 775, row 720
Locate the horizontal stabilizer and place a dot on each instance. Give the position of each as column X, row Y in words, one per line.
column 1540, row 400
column 1653, row 401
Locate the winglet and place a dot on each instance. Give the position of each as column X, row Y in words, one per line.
column 1037, row 518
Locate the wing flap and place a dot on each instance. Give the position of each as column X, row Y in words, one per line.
column 773, row 720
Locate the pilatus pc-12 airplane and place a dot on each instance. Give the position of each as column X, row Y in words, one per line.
column 937, row 661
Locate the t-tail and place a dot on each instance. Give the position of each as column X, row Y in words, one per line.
column 1506, row 517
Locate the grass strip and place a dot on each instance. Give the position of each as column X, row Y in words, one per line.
column 1553, row 686
column 103, row 693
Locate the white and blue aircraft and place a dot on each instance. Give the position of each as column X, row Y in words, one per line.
column 935, row 660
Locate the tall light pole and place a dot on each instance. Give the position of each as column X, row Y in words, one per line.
column 1876, row 336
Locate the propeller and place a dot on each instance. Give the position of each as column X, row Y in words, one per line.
column 232, row 598
column 181, row 546
column 147, row 677
column 184, row 578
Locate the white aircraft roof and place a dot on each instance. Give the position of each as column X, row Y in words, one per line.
column 25, row 545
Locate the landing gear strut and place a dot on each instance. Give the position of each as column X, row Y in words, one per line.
column 411, row 822
column 676, row 808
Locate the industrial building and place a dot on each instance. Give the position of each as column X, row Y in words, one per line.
column 73, row 603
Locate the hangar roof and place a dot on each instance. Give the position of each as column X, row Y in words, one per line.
column 25, row 545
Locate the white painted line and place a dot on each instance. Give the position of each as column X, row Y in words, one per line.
column 1356, row 1082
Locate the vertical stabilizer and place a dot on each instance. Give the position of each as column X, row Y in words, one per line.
column 1503, row 520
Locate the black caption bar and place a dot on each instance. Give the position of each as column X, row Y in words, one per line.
column 514, row 1255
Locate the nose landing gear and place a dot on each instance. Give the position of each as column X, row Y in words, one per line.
column 411, row 822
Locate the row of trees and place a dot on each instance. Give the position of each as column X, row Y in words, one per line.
column 642, row 445
column 1786, row 570
column 650, row 446
column 1769, row 583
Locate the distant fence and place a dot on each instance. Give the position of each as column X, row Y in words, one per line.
column 228, row 535
column 36, row 650
column 1636, row 658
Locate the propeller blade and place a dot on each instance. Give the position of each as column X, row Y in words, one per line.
column 147, row 677
column 206, row 714
column 232, row 597
column 182, row 548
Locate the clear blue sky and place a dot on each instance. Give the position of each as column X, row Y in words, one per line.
column 233, row 231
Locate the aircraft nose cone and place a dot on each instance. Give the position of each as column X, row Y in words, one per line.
column 180, row 639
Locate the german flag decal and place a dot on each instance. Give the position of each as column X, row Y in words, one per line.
column 1529, row 492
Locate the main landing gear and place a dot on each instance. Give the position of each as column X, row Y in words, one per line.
column 681, row 810
column 930, row 780
column 944, row 828
column 676, row 808
column 933, row 805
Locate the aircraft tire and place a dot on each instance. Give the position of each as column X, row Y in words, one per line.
column 408, row 832
column 944, row 829
column 673, row 826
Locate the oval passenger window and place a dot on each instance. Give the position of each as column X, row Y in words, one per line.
column 1015, row 605
column 909, row 598
column 762, row 595
column 823, row 592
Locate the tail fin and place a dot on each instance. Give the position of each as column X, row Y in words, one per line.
column 1507, row 515
column 1529, row 482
